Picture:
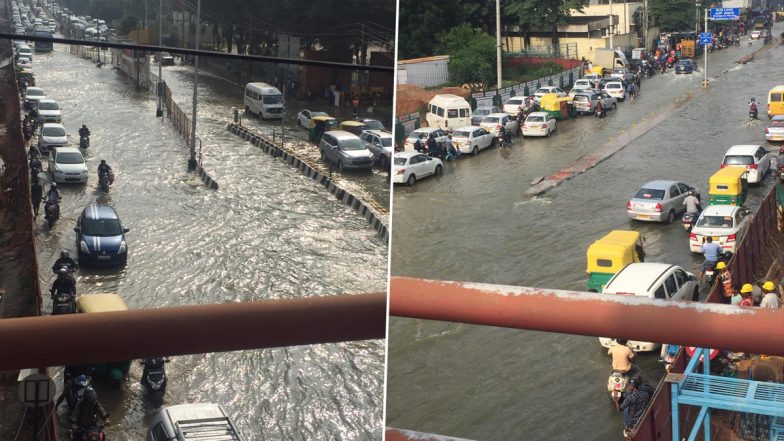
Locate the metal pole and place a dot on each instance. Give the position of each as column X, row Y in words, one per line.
column 159, row 86
column 283, row 115
column 498, row 43
column 192, row 161
column 705, row 69
column 612, row 31
column 645, row 24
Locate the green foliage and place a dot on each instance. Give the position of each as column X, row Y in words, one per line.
column 108, row 10
column 528, row 72
column 472, row 54
column 128, row 24
column 673, row 15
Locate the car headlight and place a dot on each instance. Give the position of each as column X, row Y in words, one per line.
column 83, row 247
column 123, row 248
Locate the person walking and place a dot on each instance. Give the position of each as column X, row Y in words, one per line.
column 36, row 195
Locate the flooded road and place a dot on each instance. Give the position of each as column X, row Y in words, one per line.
column 267, row 233
column 474, row 224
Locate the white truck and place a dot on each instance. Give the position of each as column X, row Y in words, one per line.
column 194, row 421
column 609, row 59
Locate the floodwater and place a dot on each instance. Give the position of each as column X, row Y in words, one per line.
column 267, row 233
column 474, row 224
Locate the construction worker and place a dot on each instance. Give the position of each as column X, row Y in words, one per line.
column 725, row 277
column 745, row 292
column 769, row 297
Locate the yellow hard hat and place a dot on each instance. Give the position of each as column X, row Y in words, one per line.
column 769, row 286
column 746, row 288
column 721, row 266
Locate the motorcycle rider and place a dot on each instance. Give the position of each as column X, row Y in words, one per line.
column 711, row 251
column 103, row 168
column 53, row 194
column 63, row 283
column 622, row 357
column 599, row 110
column 84, row 132
column 65, row 260
column 33, row 153
column 692, row 205
column 86, row 414
column 69, row 383
column 634, row 404
column 752, row 105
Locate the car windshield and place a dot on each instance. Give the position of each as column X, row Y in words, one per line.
column 543, row 91
column 33, row 92
column 650, row 193
column 272, row 99
column 715, row 221
column 374, row 124
column 491, row 119
column 352, row 144
column 312, row 114
column 613, row 86
column 580, row 98
column 48, row 106
column 739, row 160
column 400, row 161
column 70, row 158
column 386, row 142
column 54, row 131
column 535, row 119
column 461, row 134
column 101, row 227
column 776, row 123
column 415, row 135
column 480, row 112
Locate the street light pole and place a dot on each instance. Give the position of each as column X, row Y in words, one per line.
column 705, row 53
column 612, row 31
column 192, row 161
column 499, row 77
column 159, row 90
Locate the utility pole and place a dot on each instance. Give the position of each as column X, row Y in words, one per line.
column 705, row 53
column 697, row 20
column 192, row 161
column 645, row 23
column 612, row 30
column 498, row 43
column 159, row 86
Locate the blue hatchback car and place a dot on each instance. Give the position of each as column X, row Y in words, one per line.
column 100, row 237
column 685, row 66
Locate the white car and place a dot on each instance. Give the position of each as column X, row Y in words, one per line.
column 304, row 117
column 410, row 166
column 512, row 105
column 379, row 142
column 25, row 51
column 775, row 129
column 754, row 158
column 438, row 133
column 654, row 281
column 726, row 224
column 32, row 95
column 493, row 122
column 52, row 135
column 471, row 139
column 615, row 89
column 581, row 85
column 48, row 111
column 755, row 35
column 542, row 91
column 66, row 164
column 538, row 124
column 24, row 63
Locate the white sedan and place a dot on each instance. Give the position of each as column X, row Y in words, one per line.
column 755, row 35
column 726, row 224
column 542, row 91
column 67, row 165
column 471, row 139
column 538, row 124
column 410, row 166
column 304, row 117
column 615, row 89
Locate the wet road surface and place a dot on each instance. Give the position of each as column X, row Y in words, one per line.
column 267, row 233
column 474, row 224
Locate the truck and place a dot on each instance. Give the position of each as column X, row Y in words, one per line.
column 688, row 49
column 194, row 421
column 609, row 59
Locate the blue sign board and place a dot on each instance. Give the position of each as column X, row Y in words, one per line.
column 724, row 13
column 705, row 38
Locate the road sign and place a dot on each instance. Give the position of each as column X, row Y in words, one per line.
column 37, row 390
column 705, row 38
column 691, row 350
column 724, row 13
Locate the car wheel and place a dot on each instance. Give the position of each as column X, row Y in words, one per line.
column 382, row 162
column 299, row 123
column 411, row 180
column 247, row 110
column 670, row 217
column 340, row 166
column 615, row 106
column 439, row 170
column 695, row 296
column 475, row 150
column 492, row 143
column 547, row 134
column 323, row 157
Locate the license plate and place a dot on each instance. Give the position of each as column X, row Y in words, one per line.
column 715, row 238
column 643, row 216
column 104, row 257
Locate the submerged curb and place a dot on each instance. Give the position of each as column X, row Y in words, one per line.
column 364, row 209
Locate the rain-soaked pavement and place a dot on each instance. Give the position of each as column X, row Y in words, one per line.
column 474, row 224
column 267, row 233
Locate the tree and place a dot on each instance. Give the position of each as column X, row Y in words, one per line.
column 547, row 14
column 673, row 15
column 420, row 23
column 472, row 54
column 128, row 24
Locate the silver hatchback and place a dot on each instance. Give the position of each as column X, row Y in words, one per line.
column 659, row 201
column 775, row 129
column 345, row 150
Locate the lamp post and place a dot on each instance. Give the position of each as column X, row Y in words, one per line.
column 612, row 31
column 192, row 161
column 498, row 43
column 159, row 90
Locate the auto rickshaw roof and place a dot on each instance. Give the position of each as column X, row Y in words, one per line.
column 101, row 303
column 617, row 247
column 730, row 174
column 353, row 123
column 323, row 118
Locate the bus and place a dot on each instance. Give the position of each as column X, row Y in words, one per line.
column 43, row 46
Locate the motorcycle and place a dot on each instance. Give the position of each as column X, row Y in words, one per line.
column 616, row 387
column 688, row 220
column 88, row 434
column 710, row 269
column 600, row 112
column 51, row 212
column 63, row 303
column 753, row 112
column 154, row 379
column 84, row 142
column 35, row 166
column 105, row 180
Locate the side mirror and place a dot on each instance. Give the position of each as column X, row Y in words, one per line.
column 77, row 229
column 125, row 230
column 429, row 158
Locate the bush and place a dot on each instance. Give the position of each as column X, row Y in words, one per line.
column 527, row 72
column 471, row 54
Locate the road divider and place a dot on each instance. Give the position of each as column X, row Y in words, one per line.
column 362, row 207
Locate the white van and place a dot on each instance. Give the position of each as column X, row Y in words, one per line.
column 182, row 422
column 654, row 281
column 264, row 100
column 448, row 112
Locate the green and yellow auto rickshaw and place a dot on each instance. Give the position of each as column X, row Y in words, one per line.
column 320, row 124
column 355, row 127
column 27, row 75
column 728, row 186
column 97, row 303
column 610, row 254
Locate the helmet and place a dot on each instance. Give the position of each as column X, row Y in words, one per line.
column 84, row 126
column 636, row 381
column 54, row 185
column 691, row 192
column 768, row 286
column 90, row 394
column 62, row 271
column 82, row 380
column 752, row 99
column 103, row 161
column 64, row 254
column 746, row 288
column 721, row 266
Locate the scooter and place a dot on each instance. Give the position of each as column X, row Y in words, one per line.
column 104, row 181
column 51, row 212
column 154, row 379
column 63, row 303
column 78, row 386
column 688, row 221
column 600, row 112
column 84, row 142
column 88, row 434
column 753, row 113
column 616, row 388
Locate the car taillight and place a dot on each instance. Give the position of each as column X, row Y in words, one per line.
column 498, row 126
column 401, row 171
column 753, row 166
column 731, row 238
column 722, row 165
column 692, row 236
column 628, row 205
column 658, row 208
column 524, row 126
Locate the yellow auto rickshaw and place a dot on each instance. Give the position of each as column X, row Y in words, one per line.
column 610, row 254
column 728, row 186
column 320, row 124
column 27, row 75
column 556, row 106
column 96, row 303
column 598, row 70
column 355, row 127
